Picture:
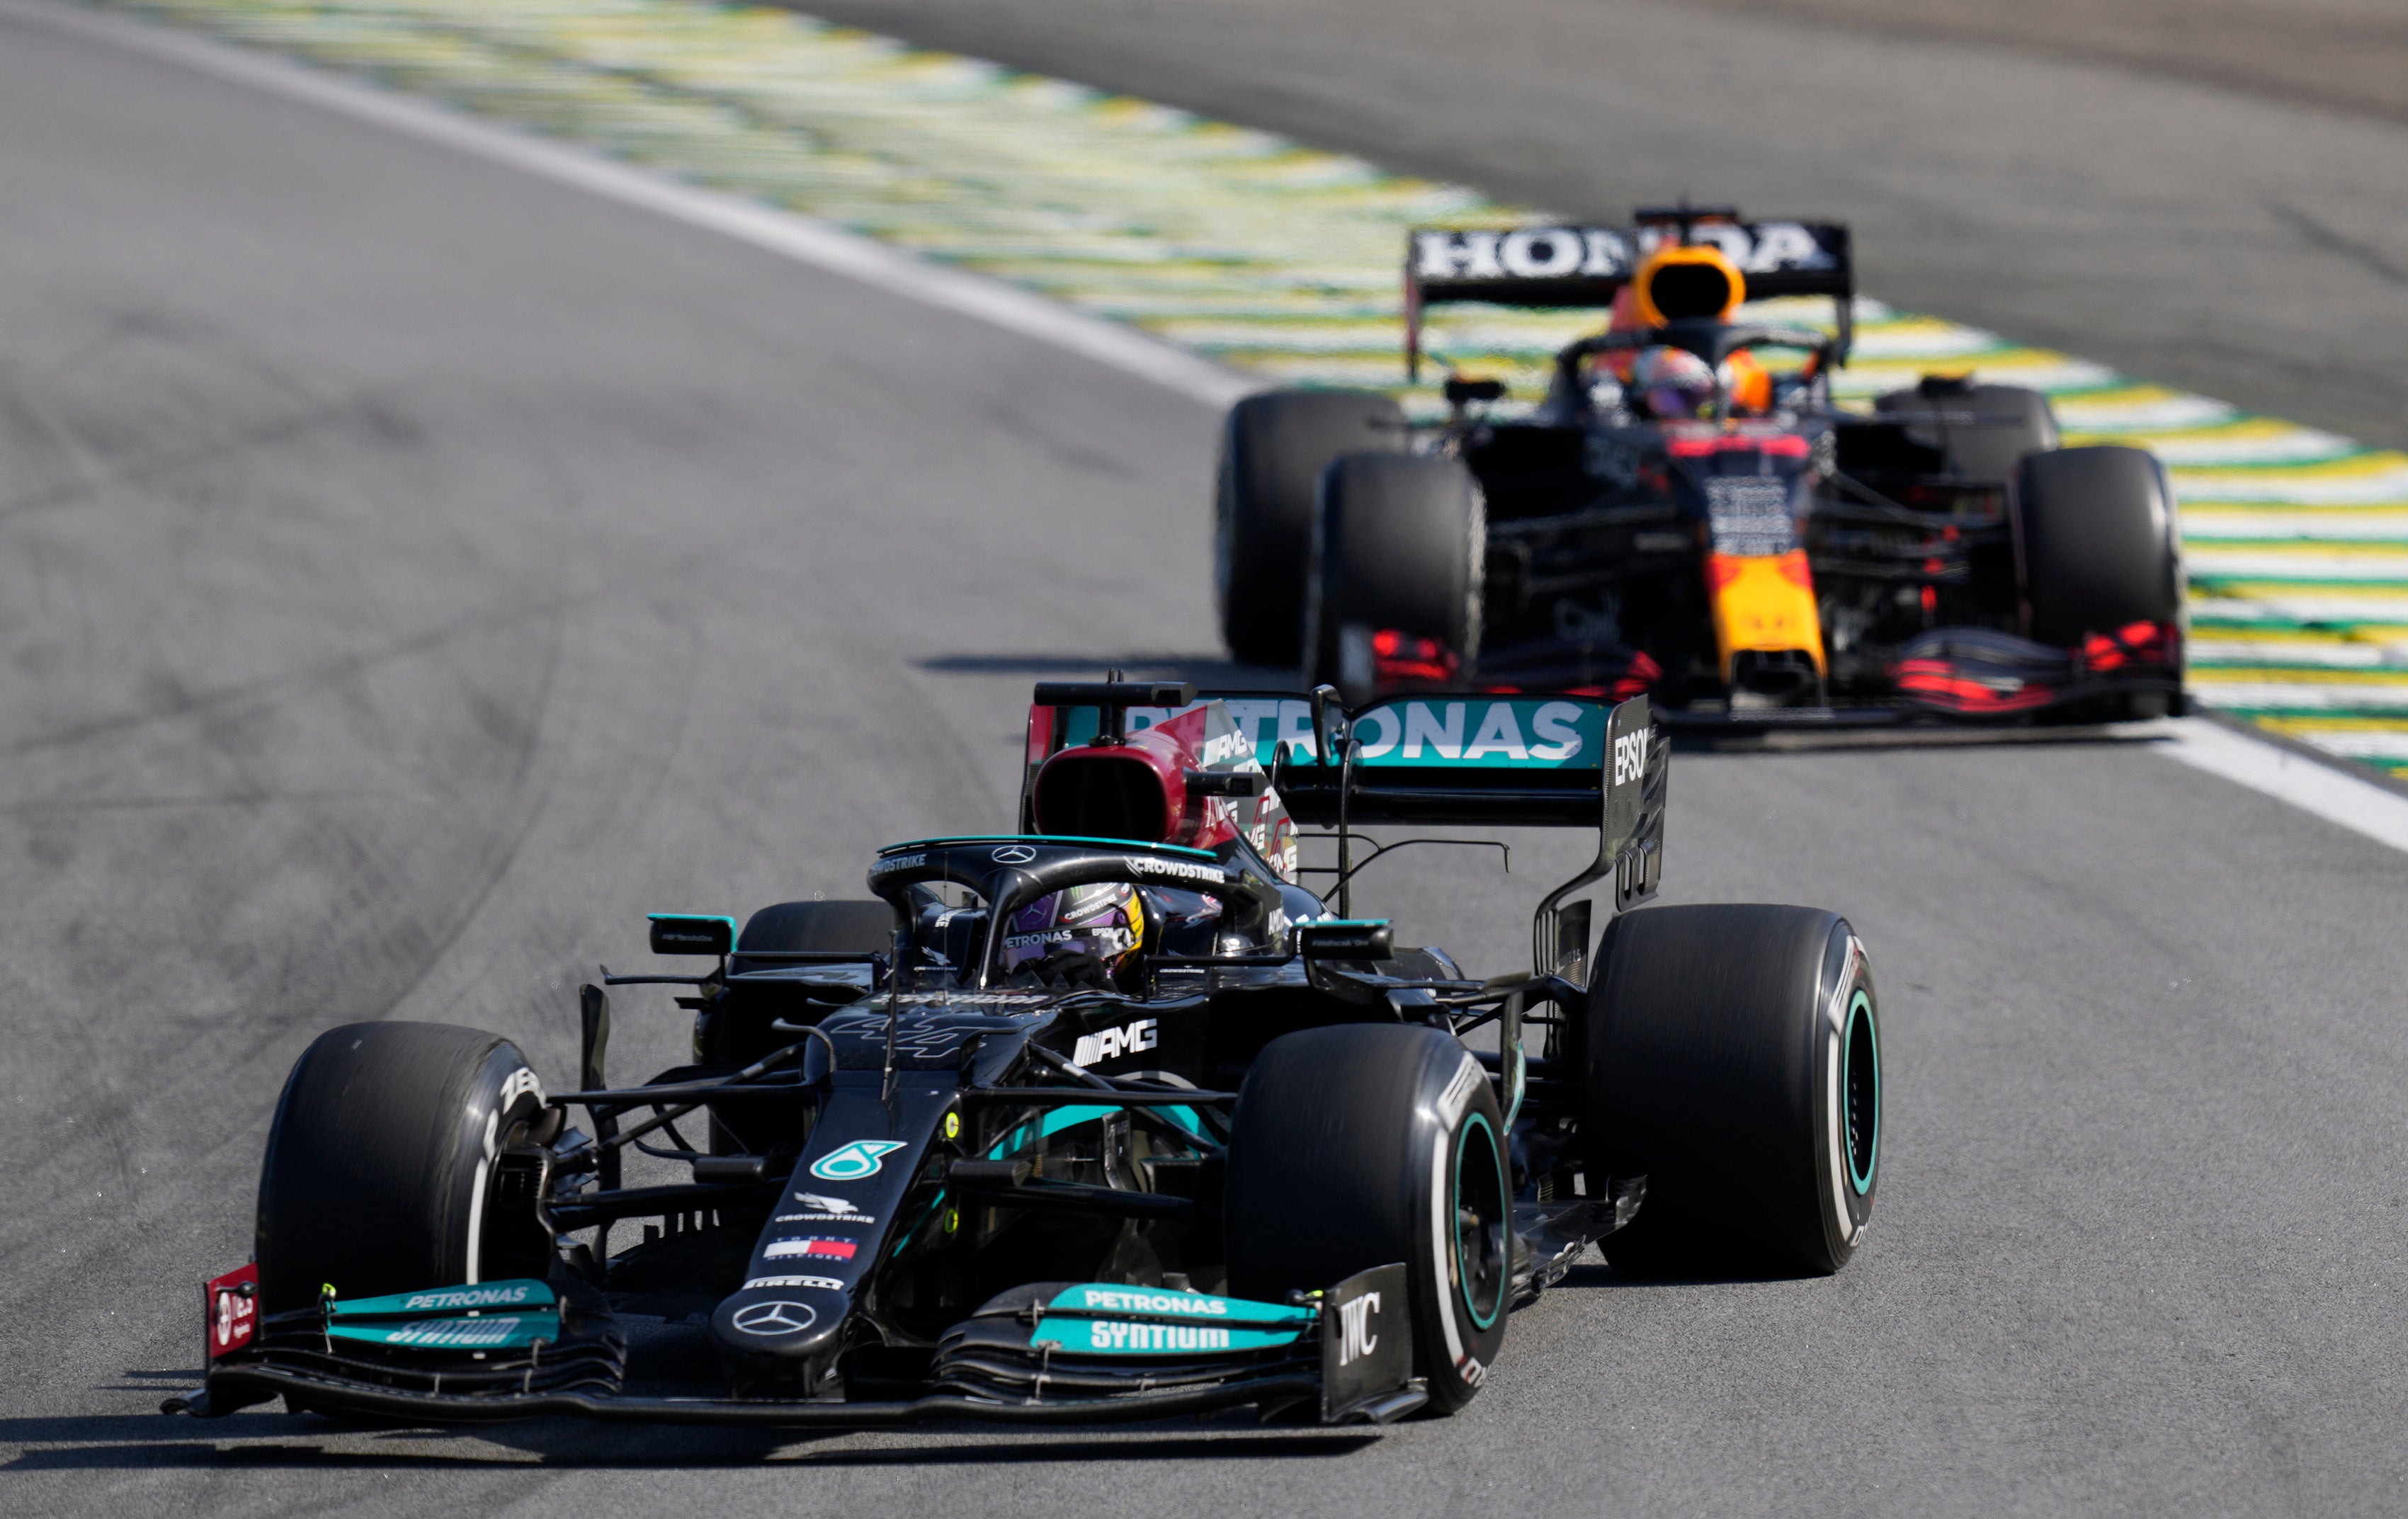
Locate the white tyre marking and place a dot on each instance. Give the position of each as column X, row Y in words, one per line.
column 1442, row 1206
column 1835, row 1134
column 1458, row 1095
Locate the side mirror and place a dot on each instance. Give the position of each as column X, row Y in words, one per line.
column 1227, row 782
column 1462, row 390
column 1346, row 939
column 679, row 934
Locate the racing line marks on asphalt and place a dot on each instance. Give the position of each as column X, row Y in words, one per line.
column 2294, row 536
column 783, row 233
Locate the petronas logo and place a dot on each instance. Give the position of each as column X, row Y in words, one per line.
column 851, row 1162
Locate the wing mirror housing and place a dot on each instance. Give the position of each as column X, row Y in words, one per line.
column 675, row 933
column 1345, row 939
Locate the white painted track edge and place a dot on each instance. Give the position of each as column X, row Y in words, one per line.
column 2309, row 784
column 802, row 239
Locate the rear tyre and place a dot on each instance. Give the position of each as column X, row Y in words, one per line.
column 1401, row 545
column 1364, row 1144
column 1734, row 1061
column 382, row 1173
column 2095, row 533
column 1273, row 449
column 818, row 927
column 2014, row 422
column 742, row 1029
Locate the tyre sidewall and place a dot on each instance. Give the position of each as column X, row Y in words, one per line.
column 1455, row 1341
column 501, row 1098
column 380, row 1160
column 1348, row 1151
column 1716, row 1063
column 2096, row 543
column 1845, row 1010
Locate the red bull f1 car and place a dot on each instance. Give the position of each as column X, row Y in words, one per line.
column 1108, row 1117
column 1679, row 518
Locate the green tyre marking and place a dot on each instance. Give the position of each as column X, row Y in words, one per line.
column 1859, row 1016
column 1462, row 1268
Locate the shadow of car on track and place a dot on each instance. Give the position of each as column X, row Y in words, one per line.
column 1210, row 672
column 1596, row 1274
column 143, row 1442
column 1924, row 736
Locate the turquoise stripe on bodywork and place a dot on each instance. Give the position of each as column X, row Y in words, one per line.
column 1061, row 1118
column 1106, row 1318
column 464, row 1332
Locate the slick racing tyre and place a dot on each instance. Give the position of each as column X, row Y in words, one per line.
column 1362, row 1145
column 1401, row 546
column 739, row 1032
column 2095, row 533
column 821, row 927
column 382, row 1173
column 1733, row 1059
column 1273, row 449
column 2011, row 422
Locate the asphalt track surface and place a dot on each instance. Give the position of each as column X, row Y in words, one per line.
column 2024, row 175
column 411, row 573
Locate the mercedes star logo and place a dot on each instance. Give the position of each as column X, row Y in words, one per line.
column 777, row 1317
column 1014, row 854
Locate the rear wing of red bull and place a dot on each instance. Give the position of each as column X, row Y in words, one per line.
column 1572, row 265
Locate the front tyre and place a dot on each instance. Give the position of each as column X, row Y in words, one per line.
column 2101, row 553
column 2099, row 545
column 1733, row 1059
column 384, row 1170
column 1364, row 1144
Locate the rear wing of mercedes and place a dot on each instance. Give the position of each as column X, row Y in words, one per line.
column 1569, row 265
column 1433, row 761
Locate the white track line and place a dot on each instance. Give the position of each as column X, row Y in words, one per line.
column 2313, row 787
column 2307, row 784
column 802, row 239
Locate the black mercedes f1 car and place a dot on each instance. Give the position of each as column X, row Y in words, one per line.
column 1678, row 519
column 1105, row 1118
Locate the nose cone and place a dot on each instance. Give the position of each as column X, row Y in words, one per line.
column 779, row 1320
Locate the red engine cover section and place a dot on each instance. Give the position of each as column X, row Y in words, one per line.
column 1153, row 785
column 1135, row 789
column 231, row 1303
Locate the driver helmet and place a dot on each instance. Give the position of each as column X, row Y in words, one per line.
column 1082, row 930
column 1672, row 383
